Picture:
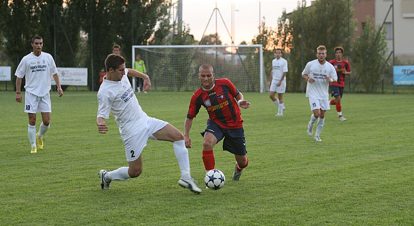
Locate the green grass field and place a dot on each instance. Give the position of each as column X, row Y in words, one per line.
column 361, row 174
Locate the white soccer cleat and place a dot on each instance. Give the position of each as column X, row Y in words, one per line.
column 279, row 114
column 190, row 184
column 342, row 118
column 104, row 182
column 318, row 139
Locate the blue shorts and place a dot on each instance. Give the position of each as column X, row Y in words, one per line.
column 336, row 91
column 234, row 141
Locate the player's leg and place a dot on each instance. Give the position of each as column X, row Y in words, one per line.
column 332, row 91
column 172, row 134
column 321, row 122
column 45, row 107
column 272, row 95
column 31, row 103
column 339, row 104
column 235, row 143
column 280, row 91
column 315, row 108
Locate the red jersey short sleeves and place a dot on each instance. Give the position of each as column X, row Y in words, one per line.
column 220, row 104
column 339, row 65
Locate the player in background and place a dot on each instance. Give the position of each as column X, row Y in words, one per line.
column 343, row 68
column 135, row 126
column 222, row 100
column 139, row 65
column 318, row 73
column 37, row 67
column 278, row 85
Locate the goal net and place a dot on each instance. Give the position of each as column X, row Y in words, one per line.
column 175, row 68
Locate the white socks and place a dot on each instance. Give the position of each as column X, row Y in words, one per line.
column 181, row 153
column 31, row 132
column 43, row 129
column 118, row 174
column 319, row 127
column 312, row 119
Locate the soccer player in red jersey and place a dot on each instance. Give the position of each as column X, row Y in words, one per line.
column 343, row 68
column 222, row 101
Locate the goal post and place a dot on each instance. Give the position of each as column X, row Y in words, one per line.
column 175, row 67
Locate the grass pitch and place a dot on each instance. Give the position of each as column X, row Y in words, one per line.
column 361, row 174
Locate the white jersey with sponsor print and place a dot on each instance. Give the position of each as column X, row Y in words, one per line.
column 279, row 66
column 38, row 71
column 119, row 98
column 320, row 88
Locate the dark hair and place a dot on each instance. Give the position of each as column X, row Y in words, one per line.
column 116, row 46
column 280, row 49
column 113, row 61
column 339, row 48
column 36, row 37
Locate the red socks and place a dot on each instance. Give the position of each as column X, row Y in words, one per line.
column 338, row 107
column 332, row 102
column 208, row 159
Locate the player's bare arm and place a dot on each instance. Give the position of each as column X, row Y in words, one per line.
column 101, row 123
column 187, row 127
column 145, row 77
column 242, row 102
column 18, row 90
column 58, row 86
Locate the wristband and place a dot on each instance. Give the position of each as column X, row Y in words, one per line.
column 18, row 92
column 238, row 102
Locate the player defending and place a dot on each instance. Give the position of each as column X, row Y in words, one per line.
column 318, row 73
column 343, row 68
column 222, row 101
column 135, row 126
column 37, row 67
column 278, row 85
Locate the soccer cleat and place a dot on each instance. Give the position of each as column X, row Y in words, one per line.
column 342, row 118
column 309, row 130
column 237, row 173
column 104, row 182
column 318, row 139
column 190, row 184
column 34, row 150
column 279, row 114
column 39, row 142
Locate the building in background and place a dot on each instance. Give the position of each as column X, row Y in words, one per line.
column 377, row 10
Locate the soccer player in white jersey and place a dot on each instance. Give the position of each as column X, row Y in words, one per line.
column 318, row 73
column 278, row 85
column 135, row 126
column 37, row 67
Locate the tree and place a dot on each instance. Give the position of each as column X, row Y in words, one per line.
column 326, row 22
column 369, row 56
column 211, row 39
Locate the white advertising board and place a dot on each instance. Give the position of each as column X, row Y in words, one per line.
column 72, row 76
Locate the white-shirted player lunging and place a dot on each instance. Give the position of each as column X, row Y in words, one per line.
column 135, row 126
column 37, row 67
column 318, row 73
column 278, row 85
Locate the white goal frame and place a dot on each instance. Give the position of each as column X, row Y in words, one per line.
column 260, row 47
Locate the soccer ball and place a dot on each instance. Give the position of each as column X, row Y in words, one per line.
column 214, row 179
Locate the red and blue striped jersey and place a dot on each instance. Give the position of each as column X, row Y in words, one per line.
column 220, row 104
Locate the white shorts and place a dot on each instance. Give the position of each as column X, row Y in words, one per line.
column 135, row 144
column 33, row 103
column 319, row 104
column 278, row 89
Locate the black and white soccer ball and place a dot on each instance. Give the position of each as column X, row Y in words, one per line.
column 214, row 179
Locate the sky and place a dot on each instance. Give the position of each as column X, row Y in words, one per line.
column 196, row 14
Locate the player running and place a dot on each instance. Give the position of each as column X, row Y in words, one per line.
column 343, row 68
column 135, row 126
column 318, row 73
column 222, row 100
